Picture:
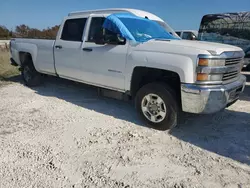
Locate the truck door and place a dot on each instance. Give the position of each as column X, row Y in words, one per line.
column 68, row 49
column 105, row 63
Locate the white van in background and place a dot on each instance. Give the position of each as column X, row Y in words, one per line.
column 187, row 34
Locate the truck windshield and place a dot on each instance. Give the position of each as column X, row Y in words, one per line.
column 136, row 28
column 168, row 28
column 144, row 30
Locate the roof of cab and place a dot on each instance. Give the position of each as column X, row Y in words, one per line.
column 137, row 12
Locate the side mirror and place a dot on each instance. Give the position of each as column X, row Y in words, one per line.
column 120, row 39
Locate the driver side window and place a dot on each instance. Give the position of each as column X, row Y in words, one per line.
column 97, row 32
column 96, row 29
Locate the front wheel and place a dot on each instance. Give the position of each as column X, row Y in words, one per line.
column 157, row 106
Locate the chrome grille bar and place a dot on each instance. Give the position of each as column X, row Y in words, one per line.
column 233, row 61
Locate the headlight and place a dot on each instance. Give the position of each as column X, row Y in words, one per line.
column 210, row 70
column 211, row 62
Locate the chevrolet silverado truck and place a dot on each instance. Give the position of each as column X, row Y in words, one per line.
column 136, row 54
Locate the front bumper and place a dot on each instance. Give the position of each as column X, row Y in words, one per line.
column 210, row 99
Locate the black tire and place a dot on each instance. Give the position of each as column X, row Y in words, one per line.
column 167, row 95
column 30, row 76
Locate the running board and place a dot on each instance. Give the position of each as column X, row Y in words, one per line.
column 113, row 94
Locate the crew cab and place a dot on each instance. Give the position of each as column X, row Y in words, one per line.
column 136, row 54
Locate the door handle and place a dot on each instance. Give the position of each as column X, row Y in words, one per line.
column 58, row 47
column 87, row 49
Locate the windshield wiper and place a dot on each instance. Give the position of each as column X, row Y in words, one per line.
column 161, row 39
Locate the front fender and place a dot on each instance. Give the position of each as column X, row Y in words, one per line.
column 182, row 65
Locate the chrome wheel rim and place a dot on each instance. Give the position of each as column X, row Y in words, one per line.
column 153, row 108
column 26, row 73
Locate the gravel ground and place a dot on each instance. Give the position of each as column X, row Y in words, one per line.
column 63, row 135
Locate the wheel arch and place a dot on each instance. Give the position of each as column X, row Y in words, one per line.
column 27, row 50
column 24, row 56
column 144, row 75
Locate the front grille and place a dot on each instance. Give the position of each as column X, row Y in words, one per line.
column 233, row 61
column 231, row 75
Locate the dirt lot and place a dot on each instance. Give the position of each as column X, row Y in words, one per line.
column 62, row 134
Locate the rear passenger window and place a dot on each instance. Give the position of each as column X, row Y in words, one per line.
column 73, row 29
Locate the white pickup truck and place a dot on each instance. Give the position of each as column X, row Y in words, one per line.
column 136, row 54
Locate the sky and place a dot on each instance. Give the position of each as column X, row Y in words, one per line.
column 179, row 14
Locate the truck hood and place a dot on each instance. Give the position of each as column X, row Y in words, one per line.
column 186, row 47
column 210, row 46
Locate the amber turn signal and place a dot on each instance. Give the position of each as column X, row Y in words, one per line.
column 202, row 77
column 203, row 62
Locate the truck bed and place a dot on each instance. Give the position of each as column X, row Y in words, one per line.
column 41, row 50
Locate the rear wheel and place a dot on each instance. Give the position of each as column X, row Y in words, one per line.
column 157, row 106
column 30, row 76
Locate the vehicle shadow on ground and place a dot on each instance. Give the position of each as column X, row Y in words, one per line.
column 226, row 133
column 84, row 96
